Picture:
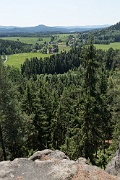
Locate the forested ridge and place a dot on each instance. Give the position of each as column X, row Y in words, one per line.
column 104, row 36
column 69, row 101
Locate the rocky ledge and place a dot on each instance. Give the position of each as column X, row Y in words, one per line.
column 51, row 165
column 113, row 166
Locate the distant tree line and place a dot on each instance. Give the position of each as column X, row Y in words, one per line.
column 61, row 63
column 27, row 34
column 12, row 47
column 58, row 64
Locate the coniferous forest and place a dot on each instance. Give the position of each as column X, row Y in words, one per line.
column 69, row 101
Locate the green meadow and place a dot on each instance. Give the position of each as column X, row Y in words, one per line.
column 115, row 45
column 33, row 40
column 63, row 48
column 63, row 37
column 17, row 59
column 27, row 40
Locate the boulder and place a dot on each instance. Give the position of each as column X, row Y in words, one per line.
column 51, row 165
column 48, row 154
column 113, row 166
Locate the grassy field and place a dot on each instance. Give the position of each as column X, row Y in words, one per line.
column 106, row 47
column 27, row 40
column 33, row 40
column 17, row 59
column 63, row 48
column 63, row 37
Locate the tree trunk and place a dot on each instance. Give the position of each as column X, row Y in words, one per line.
column 2, row 143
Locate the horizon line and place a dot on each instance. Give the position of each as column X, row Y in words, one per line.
column 55, row 25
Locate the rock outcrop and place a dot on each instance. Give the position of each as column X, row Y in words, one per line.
column 51, row 165
column 113, row 166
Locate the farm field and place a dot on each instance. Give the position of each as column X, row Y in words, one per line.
column 27, row 40
column 63, row 37
column 115, row 45
column 17, row 59
column 33, row 40
column 63, row 48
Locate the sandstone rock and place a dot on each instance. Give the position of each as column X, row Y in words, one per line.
column 113, row 166
column 48, row 154
column 88, row 172
column 51, row 165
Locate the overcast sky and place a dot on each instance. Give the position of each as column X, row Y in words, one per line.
column 59, row 12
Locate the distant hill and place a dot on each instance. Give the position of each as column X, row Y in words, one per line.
column 86, row 27
column 43, row 28
column 107, row 35
column 115, row 27
column 7, row 27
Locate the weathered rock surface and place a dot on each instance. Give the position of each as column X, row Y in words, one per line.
column 113, row 166
column 51, row 165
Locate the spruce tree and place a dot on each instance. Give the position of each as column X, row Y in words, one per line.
column 11, row 134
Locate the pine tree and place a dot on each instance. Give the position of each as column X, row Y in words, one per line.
column 104, row 123
column 88, row 107
column 114, row 83
column 94, row 110
column 10, row 117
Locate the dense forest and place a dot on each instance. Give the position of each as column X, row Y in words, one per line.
column 103, row 36
column 12, row 47
column 69, row 101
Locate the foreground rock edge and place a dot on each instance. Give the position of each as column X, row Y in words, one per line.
column 51, row 165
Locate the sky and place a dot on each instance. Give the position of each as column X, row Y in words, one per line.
column 59, row 12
